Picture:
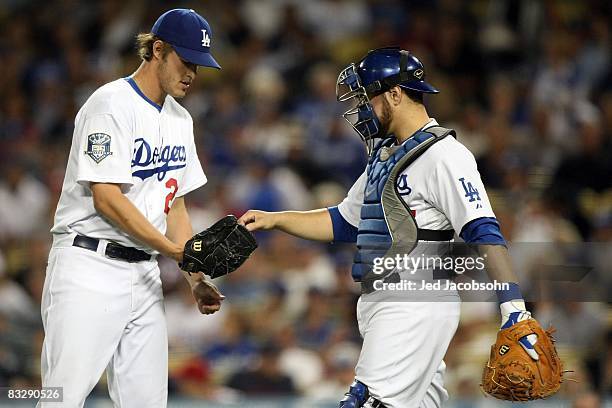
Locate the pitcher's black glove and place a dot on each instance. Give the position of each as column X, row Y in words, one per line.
column 220, row 249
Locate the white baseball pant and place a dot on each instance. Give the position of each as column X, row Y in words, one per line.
column 102, row 313
column 404, row 344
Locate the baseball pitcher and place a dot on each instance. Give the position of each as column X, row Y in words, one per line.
column 132, row 161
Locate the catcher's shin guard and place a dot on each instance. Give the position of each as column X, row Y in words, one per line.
column 359, row 396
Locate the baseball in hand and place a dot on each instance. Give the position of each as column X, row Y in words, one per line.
column 207, row 296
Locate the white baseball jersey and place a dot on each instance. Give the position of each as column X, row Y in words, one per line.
column 404, row 342
column 123, row 137
column 442, row 188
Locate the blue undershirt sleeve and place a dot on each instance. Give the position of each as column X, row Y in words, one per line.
column 483, row 230
column 343, row 230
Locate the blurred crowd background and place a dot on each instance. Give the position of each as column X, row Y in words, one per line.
column 526, row 84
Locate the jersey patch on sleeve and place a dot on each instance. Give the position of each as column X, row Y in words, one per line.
column 98, row 146
column 471, row 193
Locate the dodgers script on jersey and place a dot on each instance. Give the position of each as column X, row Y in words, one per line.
column 122, row 137
column 442, row 188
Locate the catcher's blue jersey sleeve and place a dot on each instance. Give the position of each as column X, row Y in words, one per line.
column 343, row 230
column 483, row 231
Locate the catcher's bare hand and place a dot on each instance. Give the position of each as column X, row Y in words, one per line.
column 207, row 296
column 258, row 220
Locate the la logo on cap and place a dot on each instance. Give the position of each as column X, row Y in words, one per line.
column 205, row 38
column 189, row 34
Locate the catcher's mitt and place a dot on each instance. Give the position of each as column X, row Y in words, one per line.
column 220, row 249
column 511, row 374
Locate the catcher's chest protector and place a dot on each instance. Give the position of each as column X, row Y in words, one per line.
column 386, row 221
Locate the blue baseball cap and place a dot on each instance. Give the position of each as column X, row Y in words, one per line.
column 189, row 34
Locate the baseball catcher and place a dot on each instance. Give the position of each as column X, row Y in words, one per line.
column 218, row 250
column 523, row 364
column 420, row 188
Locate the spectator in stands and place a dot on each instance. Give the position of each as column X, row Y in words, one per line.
column 265, row 378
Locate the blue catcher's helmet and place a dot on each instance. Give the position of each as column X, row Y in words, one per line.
column 380, row 70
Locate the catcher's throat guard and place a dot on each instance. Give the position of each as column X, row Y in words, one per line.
column 361, row 115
